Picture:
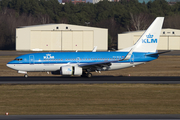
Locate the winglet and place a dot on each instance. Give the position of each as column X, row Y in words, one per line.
column 128, row 56
column 94, row 50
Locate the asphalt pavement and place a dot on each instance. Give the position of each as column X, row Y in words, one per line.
column 93, row 80
column 90, row 117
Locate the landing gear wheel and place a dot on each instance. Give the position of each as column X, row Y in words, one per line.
column 25, row 75
column 89, row 75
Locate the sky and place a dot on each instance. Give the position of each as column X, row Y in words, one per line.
column 60, row 1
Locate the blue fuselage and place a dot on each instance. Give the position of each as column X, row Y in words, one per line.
column 80, row 57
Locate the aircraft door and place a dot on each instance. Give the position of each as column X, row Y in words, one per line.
column 31, row 59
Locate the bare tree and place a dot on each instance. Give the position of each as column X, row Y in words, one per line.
column 172, row 22
column 113, row 30
column 64, row 20
column 10, row 20
column 44, row 18
column 139, row 21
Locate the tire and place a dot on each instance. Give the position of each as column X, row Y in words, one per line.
column 89, row 75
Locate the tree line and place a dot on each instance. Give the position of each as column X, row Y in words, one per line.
column 117, row 17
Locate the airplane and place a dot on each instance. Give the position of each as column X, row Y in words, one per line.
column 83, row 63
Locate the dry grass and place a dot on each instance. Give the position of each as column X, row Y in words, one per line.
column 163, row 66
column 90, row 99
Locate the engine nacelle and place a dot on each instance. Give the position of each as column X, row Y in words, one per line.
column 70, row 70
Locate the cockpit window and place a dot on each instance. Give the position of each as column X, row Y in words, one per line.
column 18, row 59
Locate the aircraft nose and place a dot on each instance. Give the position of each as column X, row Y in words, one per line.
column 9, row 65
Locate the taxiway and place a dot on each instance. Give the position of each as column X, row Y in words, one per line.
column 93, row 80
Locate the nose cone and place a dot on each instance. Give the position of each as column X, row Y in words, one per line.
column 10, row 65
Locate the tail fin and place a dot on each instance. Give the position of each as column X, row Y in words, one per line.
column 149, row 40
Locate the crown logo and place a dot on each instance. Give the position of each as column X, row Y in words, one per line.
column 149, row 36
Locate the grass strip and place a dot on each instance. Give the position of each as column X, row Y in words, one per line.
column 90, row 99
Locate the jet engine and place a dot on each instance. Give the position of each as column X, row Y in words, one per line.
column 69, row 70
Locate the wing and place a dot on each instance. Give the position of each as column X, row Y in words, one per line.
column 97, row 65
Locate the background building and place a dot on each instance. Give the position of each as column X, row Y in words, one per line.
column 169, row 39
column 74, row 1
column 61, row 37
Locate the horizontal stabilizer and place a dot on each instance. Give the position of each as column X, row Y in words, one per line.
column 158, row 53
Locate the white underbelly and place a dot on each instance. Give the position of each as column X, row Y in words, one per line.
column 116, row 66
column 55, row 67
column 36, row 67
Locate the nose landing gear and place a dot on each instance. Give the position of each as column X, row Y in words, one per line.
column 25, row 75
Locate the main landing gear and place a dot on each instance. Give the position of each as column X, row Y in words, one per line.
column 89, row 75
column 86, row 74
column 25, row 75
